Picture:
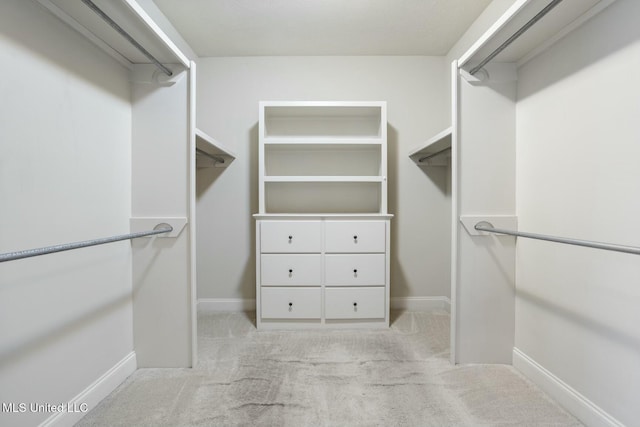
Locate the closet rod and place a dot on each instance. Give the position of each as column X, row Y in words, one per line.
column 126, row 35
column 11, row 256
column 517, row 34
column 211, row 156
column 487, row 226
column 422, row 159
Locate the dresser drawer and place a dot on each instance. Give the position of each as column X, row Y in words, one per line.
column 354, row 303
column 290, row 236
column 290, row 303
column 355, row 236
column 355, row 270
column 290, row 270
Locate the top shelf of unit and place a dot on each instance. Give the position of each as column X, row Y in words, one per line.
column 432, row 151
column 562, row 19
column 210, row 152
column 315, row 121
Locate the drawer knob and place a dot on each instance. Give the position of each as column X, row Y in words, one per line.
column 290, row 272
column 355, row 238
column 290, row 306
column 355, row 272
column 290, row 239
column 355, row 306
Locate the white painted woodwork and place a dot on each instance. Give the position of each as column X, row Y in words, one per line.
column 354, row 303
column 161, row 155
column 485, row 265
column 508, row 222
column 291, row 236
column 355, row 236
column 316, row 158
column 291, row 267
column 437, row 148
column 290, row 303
column 291, row 270
column 322, row 157
column 214, row 148
column 355, row 270
column 132, row 17
column 564, row 18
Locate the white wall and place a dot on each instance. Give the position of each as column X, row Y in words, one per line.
column 229, row 89
column 65, row 152
column 578, row 145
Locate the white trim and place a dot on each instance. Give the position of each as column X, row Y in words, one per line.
column 94, row 393
column 226, row 304
column 193, row 272
column 421, row 303
column 582, row 408
column 453, row 343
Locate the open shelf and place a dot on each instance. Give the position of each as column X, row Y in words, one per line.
column 131, row 17
column 211, row 153
column 561, row 20
column 324, row 178
column 322, row 197
column 299, row 120
column 322, row 159
column 434, row 151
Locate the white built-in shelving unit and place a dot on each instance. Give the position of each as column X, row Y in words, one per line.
column 322, row 232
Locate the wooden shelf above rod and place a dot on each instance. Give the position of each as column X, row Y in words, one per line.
column 210, row 152
column 434, row 151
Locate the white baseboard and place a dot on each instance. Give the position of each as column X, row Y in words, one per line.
column 92, row 395
column 226, row 304
column 421, row 303
column 582, row 408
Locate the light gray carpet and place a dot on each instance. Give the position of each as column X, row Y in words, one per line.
column 395, row 377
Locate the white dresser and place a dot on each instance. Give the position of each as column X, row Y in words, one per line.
column 322, row 233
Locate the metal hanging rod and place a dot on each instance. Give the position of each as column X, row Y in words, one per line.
column 422, row 159
column 211, row 156
column 487, row 226
column 127, row 36
column 517, row 34
column 11, row 256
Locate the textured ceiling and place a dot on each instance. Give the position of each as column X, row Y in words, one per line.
column 321, row 27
